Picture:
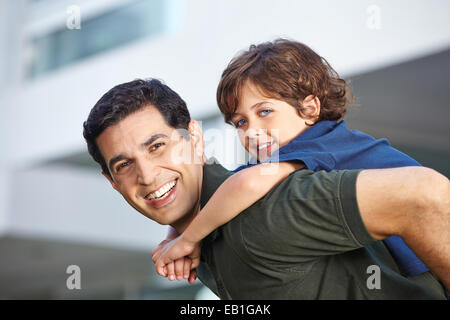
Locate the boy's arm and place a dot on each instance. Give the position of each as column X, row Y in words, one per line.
column 235, row 195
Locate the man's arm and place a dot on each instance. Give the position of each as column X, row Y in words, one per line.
column 414, row 203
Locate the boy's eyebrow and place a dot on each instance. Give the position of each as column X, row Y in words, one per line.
column 145, row 144
column 252, row 107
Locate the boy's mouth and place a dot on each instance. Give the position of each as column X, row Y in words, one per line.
column 264, row 150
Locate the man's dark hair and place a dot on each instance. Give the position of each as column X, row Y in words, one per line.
column 127, row 98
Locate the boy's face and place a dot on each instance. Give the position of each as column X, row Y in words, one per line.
column 265, row 124
column 152, row 165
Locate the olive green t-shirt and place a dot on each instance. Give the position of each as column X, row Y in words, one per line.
column 304, row 240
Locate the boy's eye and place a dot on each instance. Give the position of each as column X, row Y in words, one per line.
column 265, row 112
column 240, row 123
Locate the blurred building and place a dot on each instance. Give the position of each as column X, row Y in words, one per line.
column 58, row 57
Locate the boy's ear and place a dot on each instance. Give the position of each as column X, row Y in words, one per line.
column 310, row 108
column 114, row 185
column 196, row 136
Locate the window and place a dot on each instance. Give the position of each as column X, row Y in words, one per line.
column 104, row 32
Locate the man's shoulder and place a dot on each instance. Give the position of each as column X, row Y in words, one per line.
column 300, row 215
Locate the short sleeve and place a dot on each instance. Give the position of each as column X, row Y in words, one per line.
column 206, row 277
column 308, row 215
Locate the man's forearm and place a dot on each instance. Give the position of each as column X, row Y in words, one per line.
column 411, row 202
column 428, row 232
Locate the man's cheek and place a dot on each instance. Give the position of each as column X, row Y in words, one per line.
column 181, row 153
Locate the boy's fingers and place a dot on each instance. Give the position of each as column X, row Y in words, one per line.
column 179, row 266
column 187, row 267
column 171, row 271
column 160, row 269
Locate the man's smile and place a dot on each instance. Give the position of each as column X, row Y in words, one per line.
column 163, row 195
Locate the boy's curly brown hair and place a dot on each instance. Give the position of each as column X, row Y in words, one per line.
column 285, row 70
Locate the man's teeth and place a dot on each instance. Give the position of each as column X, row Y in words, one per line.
column 162, row 192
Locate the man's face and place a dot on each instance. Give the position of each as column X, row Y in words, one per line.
column 155, row 169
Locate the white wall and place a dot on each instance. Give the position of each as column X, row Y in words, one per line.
column 44, row 118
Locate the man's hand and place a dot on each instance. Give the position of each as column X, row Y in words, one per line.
column 170, row 251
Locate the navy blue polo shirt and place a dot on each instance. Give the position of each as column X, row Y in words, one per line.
column 330, row 145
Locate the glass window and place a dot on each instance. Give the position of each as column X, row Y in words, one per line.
column 109, row 30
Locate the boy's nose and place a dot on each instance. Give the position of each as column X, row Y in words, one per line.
column 256, row 135
column 255, row 132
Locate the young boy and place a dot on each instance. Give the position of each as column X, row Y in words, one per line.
column 286, row 102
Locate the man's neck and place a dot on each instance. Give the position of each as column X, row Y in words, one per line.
column 184, row 222
column 212, row 176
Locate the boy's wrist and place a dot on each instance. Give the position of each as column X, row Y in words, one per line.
column 188, row 238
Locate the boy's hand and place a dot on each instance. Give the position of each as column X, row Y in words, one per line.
column 182, row 266
column 170, row 251
column 182, row 269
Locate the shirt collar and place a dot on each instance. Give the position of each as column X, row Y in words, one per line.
column 317, row 130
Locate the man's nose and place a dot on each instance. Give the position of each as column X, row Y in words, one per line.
column 146, row 172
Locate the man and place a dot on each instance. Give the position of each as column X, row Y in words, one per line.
column 314, row 236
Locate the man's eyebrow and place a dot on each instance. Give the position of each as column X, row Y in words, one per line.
column 148, row 142
column 154, row 137
column 116, row 159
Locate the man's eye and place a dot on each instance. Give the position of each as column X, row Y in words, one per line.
column 120, row 166
column 240, row 123
column 156, row 146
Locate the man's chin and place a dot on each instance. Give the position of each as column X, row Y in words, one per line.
column 167, row 215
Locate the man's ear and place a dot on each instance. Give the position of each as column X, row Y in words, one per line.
column 310, row 108
column 196, row 136
column 114, row 185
